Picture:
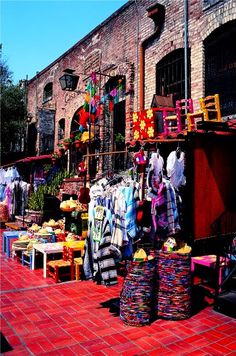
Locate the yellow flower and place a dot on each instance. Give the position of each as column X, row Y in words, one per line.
column 150, row 132
column 135, row 117
column 149, row 113
column 142, row 125
column 136, row 134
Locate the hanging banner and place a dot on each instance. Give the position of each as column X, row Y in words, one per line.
column 143, row 124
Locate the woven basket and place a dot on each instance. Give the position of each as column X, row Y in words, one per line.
column 4, row 214
column 173, row 300
column 136, row 300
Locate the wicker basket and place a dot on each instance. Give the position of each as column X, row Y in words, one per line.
column 4, row 214
column 173, row 300
column 136, row 300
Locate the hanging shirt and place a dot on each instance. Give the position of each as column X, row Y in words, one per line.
column 175, row 169
column 2, row 176
column 2, row 191
column 99, row 259
column 165, row 216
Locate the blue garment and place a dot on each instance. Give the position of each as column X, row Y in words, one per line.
column 2, row 192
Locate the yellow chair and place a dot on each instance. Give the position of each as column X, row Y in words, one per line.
column 78, row 261
column 193, row 118
column 210, row 106
column 209, row 111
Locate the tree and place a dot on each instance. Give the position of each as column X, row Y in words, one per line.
column 12, row 103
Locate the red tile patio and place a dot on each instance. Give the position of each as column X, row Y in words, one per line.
column 39, row 317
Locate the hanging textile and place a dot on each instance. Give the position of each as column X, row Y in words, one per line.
column 155, row 173
column 175, row 169
column 165, row 218
column 143, row 124
column 125, row 225
column 99, row 262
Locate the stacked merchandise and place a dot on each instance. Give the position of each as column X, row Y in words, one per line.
column 136, row 300
column 174, row 289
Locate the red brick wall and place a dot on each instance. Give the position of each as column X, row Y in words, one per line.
column 115, row 47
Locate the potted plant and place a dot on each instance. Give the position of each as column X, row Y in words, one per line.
column 67, row 142
column 78, row 141
column 35, row 205
column 119, row 141
column 54, row 157
column 61, row 149
column 46, row 169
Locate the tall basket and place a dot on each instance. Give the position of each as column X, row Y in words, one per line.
column 173, row 300
column 136, row 299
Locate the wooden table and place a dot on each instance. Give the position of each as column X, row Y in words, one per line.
column 54, row 247
column 209, row 261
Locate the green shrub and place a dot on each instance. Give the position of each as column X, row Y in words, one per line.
column 36, row 199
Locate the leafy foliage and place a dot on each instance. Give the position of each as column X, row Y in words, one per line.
column 12, row 103
column 78, row 136
column 36, row 199
column 5, row 74
column 119, row 138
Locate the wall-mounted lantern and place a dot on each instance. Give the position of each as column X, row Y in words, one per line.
column 69, row 80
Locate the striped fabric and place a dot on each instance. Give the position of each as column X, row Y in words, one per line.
column 164, row 210
column 99, row 260
column 172, row 212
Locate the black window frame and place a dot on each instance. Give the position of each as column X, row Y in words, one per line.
column 170, row 75
column 220, row 66
column 61, row 129
column 48, row 92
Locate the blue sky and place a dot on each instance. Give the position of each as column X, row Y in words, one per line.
column 35, row 33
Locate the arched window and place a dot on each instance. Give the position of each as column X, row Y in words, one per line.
column 47, row 92
column 170, row 75
column 75, row 122
column 220, row 66
column 61, row 129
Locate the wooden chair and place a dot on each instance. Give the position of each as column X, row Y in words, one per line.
column 78, row 267
column 209, row 111
column 64, row 267
column 177, row 122
column 193, row 118
column 210, row 106
column 26, row 258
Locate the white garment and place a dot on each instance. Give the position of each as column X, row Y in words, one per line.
column 175, row 169
column 96, row 191
column 2, row 176
column 11, row 174
column 156, row 163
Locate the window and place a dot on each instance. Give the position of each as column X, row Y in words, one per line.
column 46, row 129
column 209, row 3
column 114, row 122
column 47, row 93
column 170, row 75
column 61, row 129
column 220, row 66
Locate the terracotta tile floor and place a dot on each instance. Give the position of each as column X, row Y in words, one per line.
column 39, row 317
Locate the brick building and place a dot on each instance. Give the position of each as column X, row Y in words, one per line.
column 142, row 45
